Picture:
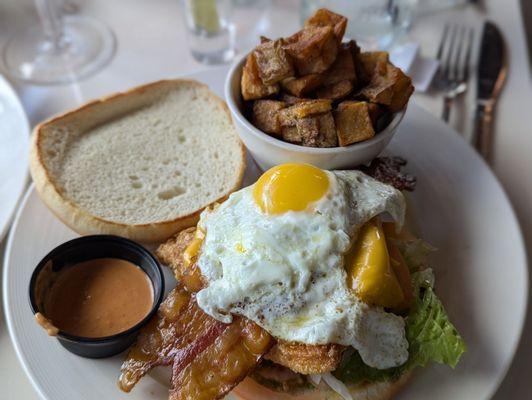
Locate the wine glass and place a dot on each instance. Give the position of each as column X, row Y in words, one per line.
column 62, row 50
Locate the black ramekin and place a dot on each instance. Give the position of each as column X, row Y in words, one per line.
column 101, row 246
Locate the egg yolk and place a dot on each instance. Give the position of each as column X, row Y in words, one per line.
column 290, row 187
column 193, row 248
column 370, row 273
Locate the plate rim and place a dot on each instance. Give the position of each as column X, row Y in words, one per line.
column 5, row 299
column 513, row 220
column 27, row 128
column 523, row 254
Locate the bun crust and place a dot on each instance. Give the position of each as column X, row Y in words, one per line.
column 251, row 390
column 169, row 107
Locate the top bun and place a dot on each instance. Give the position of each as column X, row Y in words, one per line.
column 141, row 164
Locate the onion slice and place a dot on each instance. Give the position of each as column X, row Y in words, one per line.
column 315, row 379
column 337, row 385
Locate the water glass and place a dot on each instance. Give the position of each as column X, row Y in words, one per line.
column 251, row 19
column 375, row 24
column 211, row 34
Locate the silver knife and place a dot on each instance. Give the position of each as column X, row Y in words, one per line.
column 491, row 74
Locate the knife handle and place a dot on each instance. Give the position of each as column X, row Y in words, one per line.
column 483, row 133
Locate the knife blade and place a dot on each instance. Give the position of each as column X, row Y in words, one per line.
column 491, row 74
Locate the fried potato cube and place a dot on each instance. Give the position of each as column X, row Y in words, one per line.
column 402, row 88
column 313, row 49
column 324, row 17
column 353, row 47
column 251, row 84
column 303, row 109
column 303, row 131
column 343, row 68
column 309, row 130
column 291, row 100
column 370, row 60
column 375, row 111
column 378, row 91
column 313, row 131
column 335, row 91
column 301, row 86
column 353, row 122
column 317, row 131
column 327, row 131
column 291, row 134
column 391, row 88
column 369, row 63
column 266, row 115
column 273, row 62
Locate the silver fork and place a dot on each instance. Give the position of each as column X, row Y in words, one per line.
column 454, row 55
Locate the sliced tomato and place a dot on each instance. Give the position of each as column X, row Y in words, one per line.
column 402, row 273
column 403, row 235
column 248, row 389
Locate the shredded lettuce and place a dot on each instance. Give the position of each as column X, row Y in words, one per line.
column 423, row 279
column 430, row 334
column 416, row 253
column 353, row 370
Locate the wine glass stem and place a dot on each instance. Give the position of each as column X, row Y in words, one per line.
column 51, row 21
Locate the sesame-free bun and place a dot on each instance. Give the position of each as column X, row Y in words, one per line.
column 141, row 164
column 249, row 389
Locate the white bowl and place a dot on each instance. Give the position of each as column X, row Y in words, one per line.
column 269, row 151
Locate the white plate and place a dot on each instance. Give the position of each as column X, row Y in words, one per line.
column 458, row 206
column 14, row 140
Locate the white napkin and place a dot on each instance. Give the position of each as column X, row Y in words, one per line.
column 420, row 69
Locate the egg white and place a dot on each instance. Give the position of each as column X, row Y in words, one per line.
column 285, row 271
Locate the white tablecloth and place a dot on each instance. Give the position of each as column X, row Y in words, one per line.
column 152, row 45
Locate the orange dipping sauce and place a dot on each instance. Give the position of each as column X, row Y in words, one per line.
column 99, row 298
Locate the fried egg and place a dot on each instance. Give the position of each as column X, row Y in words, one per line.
column 274, row 252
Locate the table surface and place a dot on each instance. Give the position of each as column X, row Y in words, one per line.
column 152, row 45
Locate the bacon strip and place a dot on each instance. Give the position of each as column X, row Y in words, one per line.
column 222, row 365
column 179, row 331
column 185, row 356
column 208, row 357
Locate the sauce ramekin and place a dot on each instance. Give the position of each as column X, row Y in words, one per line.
column 94, row 247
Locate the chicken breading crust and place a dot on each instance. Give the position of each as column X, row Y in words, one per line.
column 306, row 359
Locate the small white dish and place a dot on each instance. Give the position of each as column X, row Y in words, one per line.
column 269, row 151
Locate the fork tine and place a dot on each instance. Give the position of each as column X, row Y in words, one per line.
column 459, row 55
column 467, row 59
column 442, row 42
column 448, row 68
column 454, row 52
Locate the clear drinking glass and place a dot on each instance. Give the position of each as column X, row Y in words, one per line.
column 375, row 24
column 211, row 34
column 251, row 19
column 62, row 50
